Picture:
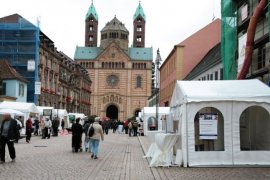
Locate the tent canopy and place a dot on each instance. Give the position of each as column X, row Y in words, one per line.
column 229, row 90
column 20, row 106
column 152, row 110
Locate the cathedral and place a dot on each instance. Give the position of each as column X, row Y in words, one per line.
column 121, row 75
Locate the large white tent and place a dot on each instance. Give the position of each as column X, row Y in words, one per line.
column 222, row 122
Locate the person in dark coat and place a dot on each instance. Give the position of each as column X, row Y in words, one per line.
column 28, row 130
column 55, row 125
column 9, row 132
column 77, row 131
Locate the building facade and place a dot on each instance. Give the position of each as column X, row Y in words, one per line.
column 121, row 75
column 64, row 84
column 185, row 56
column 236, row 18
column 210, row 68
column 13, row 87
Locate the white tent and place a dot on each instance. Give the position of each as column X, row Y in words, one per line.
column 148, row 116
column 42, row 108
column 222, row 122
column 63, row 115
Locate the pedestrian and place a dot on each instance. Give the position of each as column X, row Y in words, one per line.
column 36, row 124
column 55, row 125
column 135, row 128
column 77, row 131
column 126, row 126
column 63, row 125
column 9, row 132
column 130, row 128
column 47, row 130
column 28, row 129
column 86, row 138
column 19, row 125
column 95, row 138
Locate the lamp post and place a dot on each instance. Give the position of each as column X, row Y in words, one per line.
column 157, row 63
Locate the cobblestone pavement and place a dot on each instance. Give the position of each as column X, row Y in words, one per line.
column 203, row 173
column 120, row 157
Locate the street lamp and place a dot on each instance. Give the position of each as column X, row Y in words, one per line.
column 157, row 63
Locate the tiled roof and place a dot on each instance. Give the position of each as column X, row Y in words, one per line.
column 92, row 10
column 114, row 25
column 9, row 73
column 91, row 53
column 139, row 11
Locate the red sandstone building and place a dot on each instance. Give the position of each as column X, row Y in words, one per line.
column 185, row 56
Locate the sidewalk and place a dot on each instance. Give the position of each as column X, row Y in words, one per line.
column 226, row 173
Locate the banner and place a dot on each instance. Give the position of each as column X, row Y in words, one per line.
column 208, row 125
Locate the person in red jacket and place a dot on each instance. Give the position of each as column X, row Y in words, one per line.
column 28, row 129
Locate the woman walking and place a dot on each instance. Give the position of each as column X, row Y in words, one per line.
column 95, row 138
column 28, row 130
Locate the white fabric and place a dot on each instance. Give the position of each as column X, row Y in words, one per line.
column 151, row 151
column 20, row 106
column 41, row 108
column 230, row 98
column 163, row 156
column 12, row 112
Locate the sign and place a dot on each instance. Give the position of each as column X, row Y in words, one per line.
column 241, row 51
column 47, row 112
column 31, row 65
column 208, row 125
column 37, row 87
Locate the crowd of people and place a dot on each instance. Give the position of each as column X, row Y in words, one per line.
column 94, row 130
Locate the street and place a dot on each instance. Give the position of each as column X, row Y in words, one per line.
column 120, row 157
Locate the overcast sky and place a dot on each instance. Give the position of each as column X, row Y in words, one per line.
column 168, row 22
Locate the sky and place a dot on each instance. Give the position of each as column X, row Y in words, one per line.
column 168, row 22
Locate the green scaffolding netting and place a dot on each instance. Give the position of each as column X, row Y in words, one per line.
column 229, row 38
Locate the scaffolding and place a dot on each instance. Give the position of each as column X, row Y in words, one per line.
column 229, row 38
column 19, row 44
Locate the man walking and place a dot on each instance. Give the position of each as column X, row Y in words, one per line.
column 9, row 132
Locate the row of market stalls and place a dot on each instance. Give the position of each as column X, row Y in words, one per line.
column 23, row 111
column 215, row 123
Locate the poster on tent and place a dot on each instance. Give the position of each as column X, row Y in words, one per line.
column 208, row 125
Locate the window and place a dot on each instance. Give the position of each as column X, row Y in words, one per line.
column 91, row 38
column 254, row 127
column 139, row 28
column 91, row 28
column 221, row 74
column 21, row 89
column 139, row 38
column 216, row 75
column 209, row 139
column 261, row 57
column 138, row 82
column 4, row 86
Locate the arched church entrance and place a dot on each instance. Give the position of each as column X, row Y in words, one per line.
column 112, row 112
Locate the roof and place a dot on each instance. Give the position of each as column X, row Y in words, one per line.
column 139, row 12
column 141, row 53
column 9, row 73
column 161, row 110
column 91, row 53
column 83, row 53
column 212, row 58
column 114, row 25
column 227, row 90
column 16, row 19
column 20, row 106
column 92, row 11
column 198, row 45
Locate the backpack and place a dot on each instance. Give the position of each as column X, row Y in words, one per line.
column 91, row 130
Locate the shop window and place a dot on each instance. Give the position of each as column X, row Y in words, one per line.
column 209, row 130
column 254, row 129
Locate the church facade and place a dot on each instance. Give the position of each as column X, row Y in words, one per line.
column 121, row 75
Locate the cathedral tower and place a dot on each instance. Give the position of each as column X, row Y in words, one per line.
column 91, row 27
column 139, row 27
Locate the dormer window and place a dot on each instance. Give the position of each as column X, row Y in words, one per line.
column 91, row 28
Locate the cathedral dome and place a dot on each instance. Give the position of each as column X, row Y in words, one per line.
column 114, row 25
column 114, row 31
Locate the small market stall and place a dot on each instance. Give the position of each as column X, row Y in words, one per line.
column 222, row 122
